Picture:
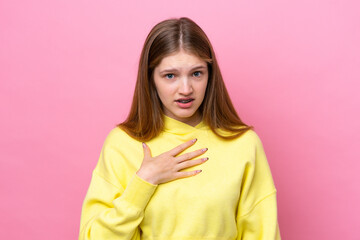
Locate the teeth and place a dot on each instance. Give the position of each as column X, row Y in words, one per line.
column 185, row 101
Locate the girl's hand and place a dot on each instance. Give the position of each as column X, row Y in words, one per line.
column 167, row 166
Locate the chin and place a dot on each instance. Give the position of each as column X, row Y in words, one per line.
column 185, row 116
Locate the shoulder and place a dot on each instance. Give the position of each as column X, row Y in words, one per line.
column 249, row 137
column 118, row 140
column 116, row 149
column 248, row 141
column 117, row 135
column 248, row 134
column 252, row 136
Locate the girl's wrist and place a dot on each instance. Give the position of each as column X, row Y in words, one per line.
column 146, row 177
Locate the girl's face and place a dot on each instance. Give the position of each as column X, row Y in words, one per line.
column 181, row 81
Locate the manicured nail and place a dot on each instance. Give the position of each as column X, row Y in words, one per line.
column 198, row 171
column 205, row 159
column 204, row 149
column 144, row 145
column 194, row 140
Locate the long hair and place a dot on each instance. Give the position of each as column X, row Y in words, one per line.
column 145, row 120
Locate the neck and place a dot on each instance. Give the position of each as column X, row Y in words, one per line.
column 192, row 121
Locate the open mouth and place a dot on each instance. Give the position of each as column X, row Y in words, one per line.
column 185, row 100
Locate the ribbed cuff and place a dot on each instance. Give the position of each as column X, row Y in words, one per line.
column 138, row 192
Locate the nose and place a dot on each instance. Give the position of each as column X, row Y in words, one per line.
column 185, row 86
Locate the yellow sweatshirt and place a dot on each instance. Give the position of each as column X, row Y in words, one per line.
column 234, row 196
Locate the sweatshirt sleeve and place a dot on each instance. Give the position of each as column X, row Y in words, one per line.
column 257, row 210
column 111, row 210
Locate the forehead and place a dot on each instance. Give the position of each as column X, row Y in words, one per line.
column 180, row 59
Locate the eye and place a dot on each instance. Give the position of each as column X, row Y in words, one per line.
column 169, row 76
column 197, row 74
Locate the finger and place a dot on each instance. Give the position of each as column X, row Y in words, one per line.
column 190, row 155
column 187, row 164
column 147, row 152
column 187, row 174
column 175, row 151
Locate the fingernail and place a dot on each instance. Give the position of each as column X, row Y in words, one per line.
column 144, row 145
column 198, row 171
column 204, row 149
column 194, row 140
column 205, row 159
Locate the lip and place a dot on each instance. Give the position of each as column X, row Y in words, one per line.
column 181, row 99
column 184, row 105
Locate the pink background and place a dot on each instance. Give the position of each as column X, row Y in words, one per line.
column 68, row 70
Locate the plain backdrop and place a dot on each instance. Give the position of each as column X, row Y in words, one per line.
column 68, row 71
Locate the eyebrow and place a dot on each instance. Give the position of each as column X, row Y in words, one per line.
column 175, row 70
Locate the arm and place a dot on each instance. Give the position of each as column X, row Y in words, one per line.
column 111, row 211
column 114, row 211
column 257, row 210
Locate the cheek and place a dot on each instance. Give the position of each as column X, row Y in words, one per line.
column 163, row 97
column 203, row 87
column 163, row 91
column 203, row 91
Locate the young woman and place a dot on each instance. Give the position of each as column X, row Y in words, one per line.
column 182, row 165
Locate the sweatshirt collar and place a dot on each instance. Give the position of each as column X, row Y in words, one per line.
column 174, row 126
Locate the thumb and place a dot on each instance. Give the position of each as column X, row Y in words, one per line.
column 147, row 152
